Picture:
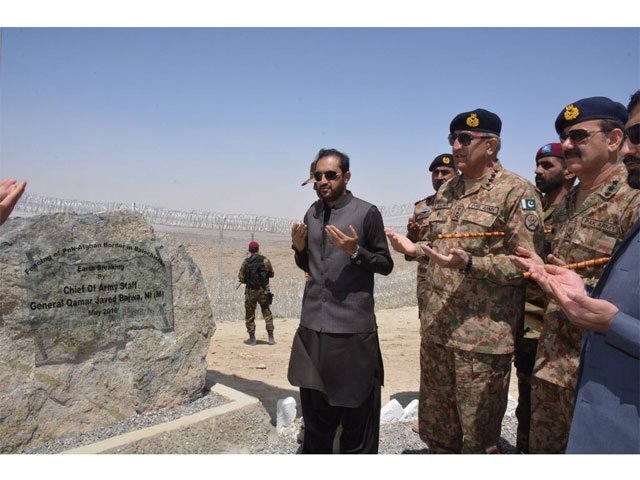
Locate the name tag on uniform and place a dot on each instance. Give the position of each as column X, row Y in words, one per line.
column 484, row 208
column 602, row 226
column 442, row 206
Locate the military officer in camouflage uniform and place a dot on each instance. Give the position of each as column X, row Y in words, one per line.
column 474, row 295
column 553, row 181
column 586, row 225
column 442, row 168
column 255, row 272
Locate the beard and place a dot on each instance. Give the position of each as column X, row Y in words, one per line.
column 633, row 170
column 332, row 193
column 551, row 184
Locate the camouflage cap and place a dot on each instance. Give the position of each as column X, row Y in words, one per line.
column 312, row 169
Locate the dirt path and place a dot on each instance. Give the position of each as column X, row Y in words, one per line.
column 261, row 371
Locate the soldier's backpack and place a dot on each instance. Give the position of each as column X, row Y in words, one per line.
column 256, row 275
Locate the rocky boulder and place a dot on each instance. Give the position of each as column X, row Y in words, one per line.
column 100, row 319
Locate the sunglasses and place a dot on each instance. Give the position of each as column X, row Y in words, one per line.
column 633, row 133
column 464, row 138
column 330, row 175
column 577, row 135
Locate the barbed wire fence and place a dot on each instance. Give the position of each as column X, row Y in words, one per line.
column 211, row 230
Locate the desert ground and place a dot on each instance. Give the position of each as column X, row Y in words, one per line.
column 261, row 370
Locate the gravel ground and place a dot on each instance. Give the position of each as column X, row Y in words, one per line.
column 395, row 437
column 209, row 400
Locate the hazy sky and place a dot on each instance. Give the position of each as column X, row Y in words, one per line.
column 228, row 119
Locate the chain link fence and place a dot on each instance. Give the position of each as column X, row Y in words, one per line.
column 217, row 243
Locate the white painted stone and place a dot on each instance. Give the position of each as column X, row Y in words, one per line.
column 285, row 413
column 391, row 412
column 410, row 412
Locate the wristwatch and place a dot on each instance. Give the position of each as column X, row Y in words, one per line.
column 355, row 254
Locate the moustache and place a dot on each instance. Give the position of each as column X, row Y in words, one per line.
column 571, row 153
column 630, row 159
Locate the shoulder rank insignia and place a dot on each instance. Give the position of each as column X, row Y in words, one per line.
column 528, row 204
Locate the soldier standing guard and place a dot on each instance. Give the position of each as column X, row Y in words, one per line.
column 473, row 295
column 255, row 272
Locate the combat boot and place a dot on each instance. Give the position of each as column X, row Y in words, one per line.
column 251, row 340
column 271, row 339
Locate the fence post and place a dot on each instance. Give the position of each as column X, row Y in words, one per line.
column 253, row 230
column 220, row 260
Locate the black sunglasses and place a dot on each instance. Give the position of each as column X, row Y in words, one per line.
column 464, row 138
column 633, row 133
column 577, row 135
column 330, row 175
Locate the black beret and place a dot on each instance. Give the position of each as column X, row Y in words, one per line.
column 478, row 120
column 592, row 108
column 443, row 160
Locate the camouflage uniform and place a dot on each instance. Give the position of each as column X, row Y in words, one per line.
column 469, row 320
column 420, row 216
column 591, row 232
column 259, row 295
column 527, row 335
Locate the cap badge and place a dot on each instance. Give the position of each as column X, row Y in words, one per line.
column 446, row 160
column 472, row 120
column 571, row 112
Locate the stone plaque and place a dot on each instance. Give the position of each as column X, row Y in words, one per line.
column 88, row 295
column 100, row 319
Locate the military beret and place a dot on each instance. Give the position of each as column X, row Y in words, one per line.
column 443, row 160
column 550, row 150
column 592, row 108
column 478, row 120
